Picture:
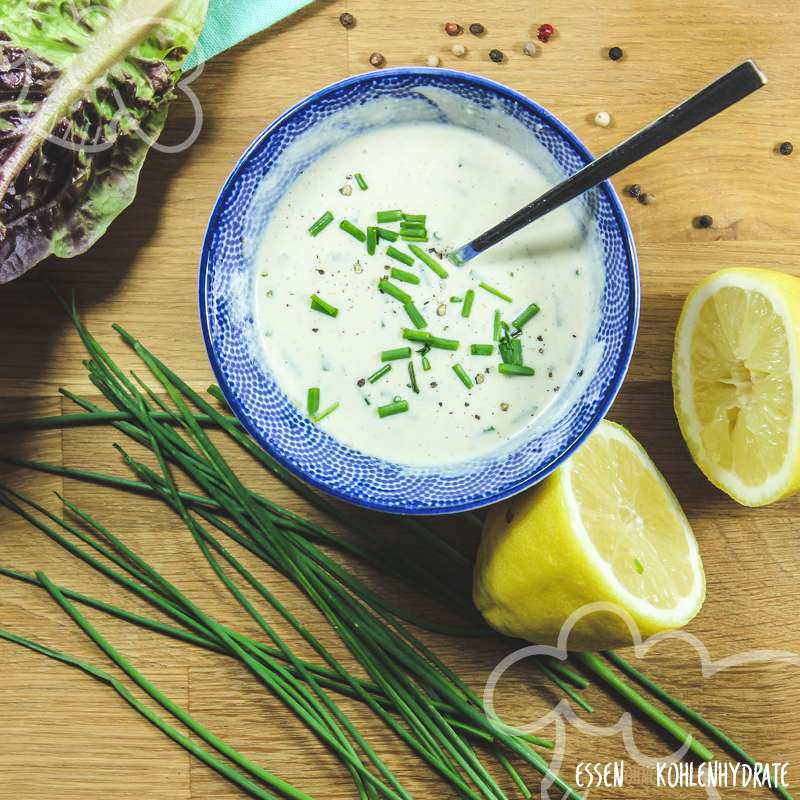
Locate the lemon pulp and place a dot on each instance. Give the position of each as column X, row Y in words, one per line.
column 733, row 374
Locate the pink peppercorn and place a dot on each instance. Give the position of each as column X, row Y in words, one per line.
column 452, row 28
column 545, row 32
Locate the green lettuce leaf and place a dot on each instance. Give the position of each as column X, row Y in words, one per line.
column 85, row 87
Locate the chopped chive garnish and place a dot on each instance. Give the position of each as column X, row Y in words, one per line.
column 481, row 349
column 399, row 255
column 412, row 376
column 424, row 350
column 396, row 354
column 387, row 235
column 318, row 304
column 379, row 373
column 353, row 230
column 443, row 344
column 462, row 375
column 413, row 238
column 506, row 351
column 401, row 275
column 413, row 230
column 639, row 566
column 496, row 292
column 526, row 316
column 426, row 365
column 398, row 407
column 426, row 259
column 419, row 218
column 389, row 288
column 516, row 352
column 326, row 413
column 469, row 299
column 372, row 240
column 321, row 223
column 416, row 336
column 415, row 316
column 497, row 326
column 362, row 184
column 456, row 299
column 313, row 401
column 515, row 369
column 394, row 215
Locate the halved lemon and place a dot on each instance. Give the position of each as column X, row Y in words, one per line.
column 603, row 528
column 736, row 382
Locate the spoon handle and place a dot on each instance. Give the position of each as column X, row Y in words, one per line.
column 708, row 102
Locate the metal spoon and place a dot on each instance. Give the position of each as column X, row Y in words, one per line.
column 708, row 102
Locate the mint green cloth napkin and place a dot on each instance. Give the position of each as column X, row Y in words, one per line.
column 232, row 21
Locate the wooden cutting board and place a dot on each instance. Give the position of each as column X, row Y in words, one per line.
column 62, row 736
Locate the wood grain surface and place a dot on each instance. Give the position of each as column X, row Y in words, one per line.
column 63, row 737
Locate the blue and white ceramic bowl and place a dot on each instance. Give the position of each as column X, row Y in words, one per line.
column 241, row 213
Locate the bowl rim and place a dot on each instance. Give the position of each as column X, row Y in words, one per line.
column 620, row 216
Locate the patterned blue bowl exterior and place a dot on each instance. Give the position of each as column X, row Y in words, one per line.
column 307, row 450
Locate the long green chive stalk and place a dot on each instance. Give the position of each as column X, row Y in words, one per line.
column 234, row 776
column 407, row 687
column 688, row 713
column 592, row 663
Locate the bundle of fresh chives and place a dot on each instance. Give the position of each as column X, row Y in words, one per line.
column 346, row 603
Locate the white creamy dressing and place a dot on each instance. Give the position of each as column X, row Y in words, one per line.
column 464, row 181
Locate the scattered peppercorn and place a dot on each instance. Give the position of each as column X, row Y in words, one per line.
column 458, row 50
column 634, row 190
column 441, row 310
column 361, row 382
column 786, row 148
column 346, row 190
column 377, row 60
column 479, row 379
column 476, row 29
column 704, row 221
column 347, row 20
column 602, row 118
column 530, row 48
column 615, row 53
column 647, row 199
column 504, row 406
column 544, row 32
column 433, row 61
column 496, row 55
column 452, row 28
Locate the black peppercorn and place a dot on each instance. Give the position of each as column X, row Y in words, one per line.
column 377, row 59
column 615, row 53
column 786, row 148
column 635, row 190
column 704, row 221
column 476, row 29
column 347, row 20
column 496, row 56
